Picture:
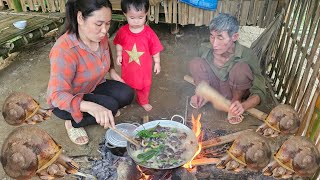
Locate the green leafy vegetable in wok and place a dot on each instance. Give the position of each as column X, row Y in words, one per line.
column 150, row 153
column 151, row 133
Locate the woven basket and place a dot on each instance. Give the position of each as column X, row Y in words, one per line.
column 154, row 2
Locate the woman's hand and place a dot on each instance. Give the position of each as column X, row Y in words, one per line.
column 115, row 76
column 103, row 116
column 157, row 67
column 236, row 108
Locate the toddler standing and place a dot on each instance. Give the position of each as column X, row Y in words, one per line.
column 136, row 45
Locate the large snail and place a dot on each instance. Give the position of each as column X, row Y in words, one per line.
column 19, row 108
column 250, row 150
column 296, row 157
column 283, row 119
column 30, row 151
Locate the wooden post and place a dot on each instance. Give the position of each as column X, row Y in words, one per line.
column 244, row 12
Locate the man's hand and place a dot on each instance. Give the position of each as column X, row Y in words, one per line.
column 157, row 67
column 236, row 108
column 103, row 116
column 115, row 76
column 197, row 101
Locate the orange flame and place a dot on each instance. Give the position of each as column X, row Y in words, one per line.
column 143, row 175
column 196, row 128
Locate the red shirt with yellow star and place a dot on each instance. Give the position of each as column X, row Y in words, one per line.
column 137, row 52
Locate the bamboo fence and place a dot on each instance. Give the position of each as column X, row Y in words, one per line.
column 293, row 73
column 249, row 12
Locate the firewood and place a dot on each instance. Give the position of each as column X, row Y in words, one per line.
column 204, row 161
column 222, row 139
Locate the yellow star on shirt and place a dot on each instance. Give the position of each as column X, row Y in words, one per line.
column 134, row 54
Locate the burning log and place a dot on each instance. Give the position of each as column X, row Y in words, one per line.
column 205, row 161
column 223, row 139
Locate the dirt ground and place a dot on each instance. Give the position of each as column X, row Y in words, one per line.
column 29, row 73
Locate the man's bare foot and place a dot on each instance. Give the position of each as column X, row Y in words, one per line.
column 76, row 135
column 147, row 107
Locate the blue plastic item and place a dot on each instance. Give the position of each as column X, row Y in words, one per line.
column 202, row 4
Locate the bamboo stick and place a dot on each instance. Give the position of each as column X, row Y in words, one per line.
column 23, row 5
column 62, row 4
column 244, row 12
column 179, row 12
column 262, row 11
column 184, row 14
column 199, row 21
column 1, row 5
column 151, row 13
column 131, row 140
column 169, row 11
column 223, row 139
column 270, row 14
column 219, row 8
column 310, row 114
column 51, row 5
column 165, row 7
column 226, row 7
column 43, row 6
column 174, row 11
column 157, row 12
column 191, row 15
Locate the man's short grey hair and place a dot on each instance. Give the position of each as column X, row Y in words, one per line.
column 224, row 22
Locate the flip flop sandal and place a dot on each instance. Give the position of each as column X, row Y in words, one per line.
column 235, row 119
column 193, row 105
column 75, row 133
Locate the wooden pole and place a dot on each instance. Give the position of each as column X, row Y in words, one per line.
column 223, row 139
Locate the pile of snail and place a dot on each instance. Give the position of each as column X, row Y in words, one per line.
column 297, row 156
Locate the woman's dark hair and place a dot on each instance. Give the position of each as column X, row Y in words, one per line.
column 86, row 7
column 139, row 5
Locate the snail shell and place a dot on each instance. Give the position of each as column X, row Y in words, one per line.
column 252, row 150
column 298, row 155
column 283, row 118
column 27, row 150
column 18, row 107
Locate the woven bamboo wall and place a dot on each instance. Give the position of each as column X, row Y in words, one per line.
column 249, row 12
column 294, row 72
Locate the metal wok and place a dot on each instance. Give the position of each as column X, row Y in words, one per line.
column 166, row 123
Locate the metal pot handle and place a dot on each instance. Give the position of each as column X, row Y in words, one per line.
column 109, row 145
column 136, row 124
column 182, row 119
